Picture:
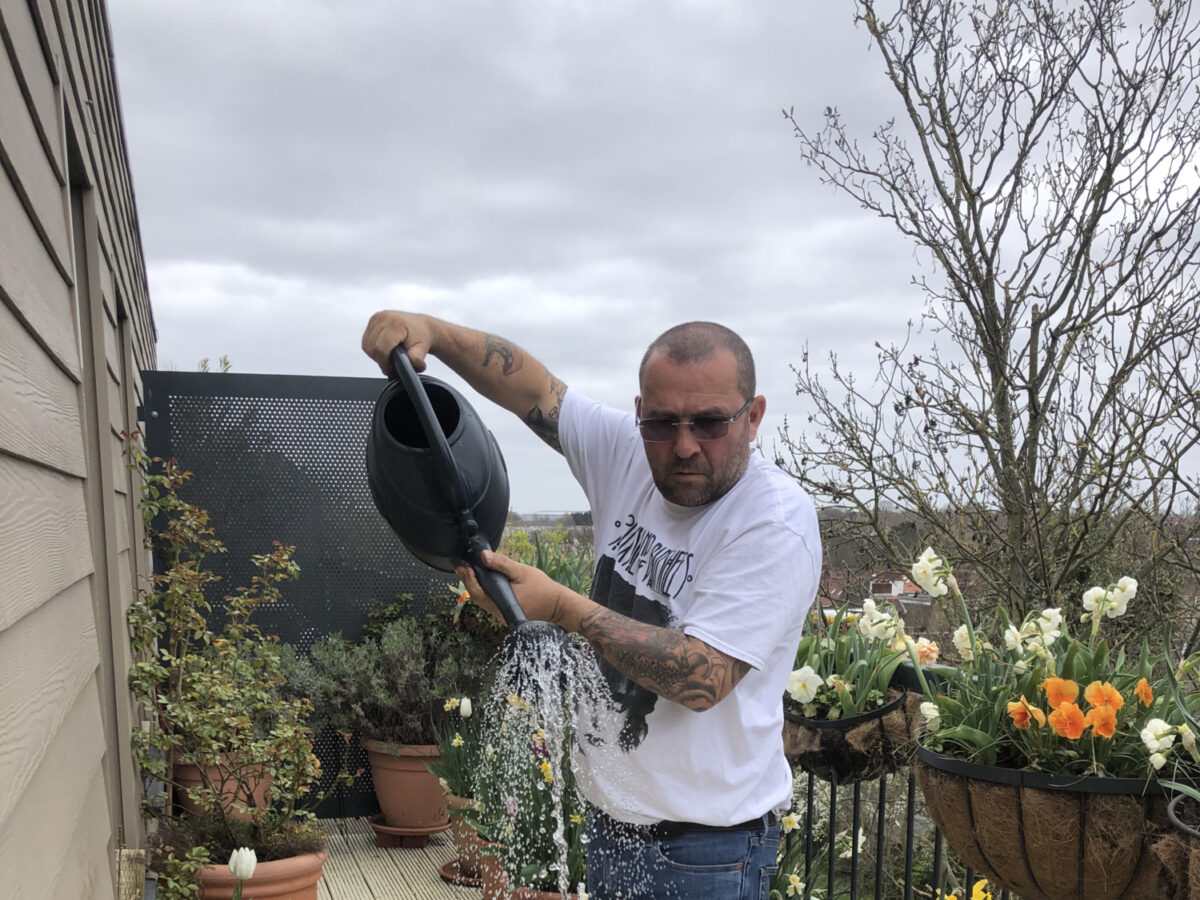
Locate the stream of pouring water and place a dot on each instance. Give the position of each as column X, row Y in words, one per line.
column 548, row 696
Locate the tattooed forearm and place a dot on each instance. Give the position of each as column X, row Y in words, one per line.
column 510, row 356
column 545, row 422
column 677, row 667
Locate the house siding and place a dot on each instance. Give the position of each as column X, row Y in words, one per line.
column 75, row 332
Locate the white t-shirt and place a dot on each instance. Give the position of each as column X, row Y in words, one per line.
column 739, row 574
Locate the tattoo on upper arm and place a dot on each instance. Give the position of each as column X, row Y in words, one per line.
column 680, row 668
column 545, row 422
column 510, row 357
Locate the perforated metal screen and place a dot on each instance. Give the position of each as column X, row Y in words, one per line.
column 281, row 458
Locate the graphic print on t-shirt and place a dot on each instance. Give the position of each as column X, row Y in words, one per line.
column 637, row 557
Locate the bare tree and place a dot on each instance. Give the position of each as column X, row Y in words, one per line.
column 1045, row 168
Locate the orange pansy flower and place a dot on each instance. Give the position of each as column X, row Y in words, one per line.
column 1060, row 691
column 1068, row 721
column 1144, row 692
column 1023, row 713
column 1103, row 721
column 1105, row 694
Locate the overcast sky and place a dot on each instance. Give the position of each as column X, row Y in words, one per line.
column 575, row 176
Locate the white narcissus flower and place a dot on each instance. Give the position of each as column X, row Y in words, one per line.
column 1093, row 599
column 1012, row 637
column 929, row 710
column 1158, row 735
column 1120, row 595
column 803, row 684
column 962, row 643
column 866, row 619
column 1157, row 760
column 464, row 707
column 925, row 573
column 1188, row 739
column 581, row 891
column 789, row 822
column 927, row 651
column 242, row 862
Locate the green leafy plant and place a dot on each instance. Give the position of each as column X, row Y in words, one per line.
column 557, row 553
column 1039, row 698
column 391, row 684
column 214, row 696
column 845, row 665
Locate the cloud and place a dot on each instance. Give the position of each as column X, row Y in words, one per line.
column 574, row 176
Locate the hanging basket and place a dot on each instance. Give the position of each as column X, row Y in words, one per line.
column 1054, row 837
column 855, row 748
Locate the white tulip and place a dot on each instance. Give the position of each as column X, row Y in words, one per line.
column 464, row 707
column 242, row 862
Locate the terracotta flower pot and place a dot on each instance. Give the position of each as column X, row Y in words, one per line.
column 495, row 882
column 466, row 839
column 1051, row 837
column 187, row 775
column 410, row 796
column 294, row 878
column 855, row 748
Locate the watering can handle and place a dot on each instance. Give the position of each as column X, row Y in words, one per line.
column 495, row 584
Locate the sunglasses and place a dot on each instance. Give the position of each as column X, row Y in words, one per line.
column 705, row 428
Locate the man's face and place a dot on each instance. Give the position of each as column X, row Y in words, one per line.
column 687, row 471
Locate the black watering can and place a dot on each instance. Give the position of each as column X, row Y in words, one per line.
column 438, row 478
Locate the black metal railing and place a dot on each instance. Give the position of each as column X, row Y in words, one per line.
column 907, row 858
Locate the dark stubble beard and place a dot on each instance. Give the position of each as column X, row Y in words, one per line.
column 719, row 483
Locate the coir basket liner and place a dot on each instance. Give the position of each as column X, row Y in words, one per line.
column 1049, row 837
column 855, row 748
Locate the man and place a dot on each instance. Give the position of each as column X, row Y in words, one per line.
column 707, row 561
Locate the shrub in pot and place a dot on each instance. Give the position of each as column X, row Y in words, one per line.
column 391, row 687
column 213, row 694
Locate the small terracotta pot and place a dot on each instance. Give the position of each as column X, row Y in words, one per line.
column 409, row 795
column 466, row 839
column 187, row 775
column 294, row 878
column 495, row 882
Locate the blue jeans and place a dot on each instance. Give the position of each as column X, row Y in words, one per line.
column 624, row 863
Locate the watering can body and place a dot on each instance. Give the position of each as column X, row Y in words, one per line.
column 417, row 492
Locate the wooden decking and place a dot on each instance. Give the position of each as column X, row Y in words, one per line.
column 358, row 870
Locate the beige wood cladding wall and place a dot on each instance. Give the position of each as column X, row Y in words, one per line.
column 75, row 330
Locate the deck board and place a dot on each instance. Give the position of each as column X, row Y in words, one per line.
column 358, row 870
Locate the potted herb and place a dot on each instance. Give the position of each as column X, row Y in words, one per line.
column 1055, row 738
column 214, row 696
column 389, row 687
column 844, row 716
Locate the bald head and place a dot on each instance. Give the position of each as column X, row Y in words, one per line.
column 693, row 342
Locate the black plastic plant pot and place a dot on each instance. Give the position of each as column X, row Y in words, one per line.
column 1183, row 810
